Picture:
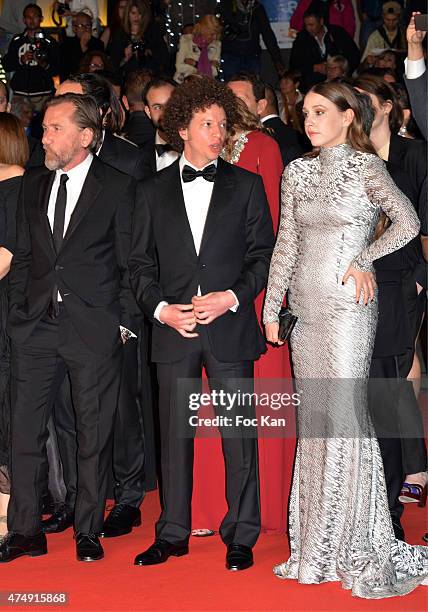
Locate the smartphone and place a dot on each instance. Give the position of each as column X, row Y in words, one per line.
column 421, row 22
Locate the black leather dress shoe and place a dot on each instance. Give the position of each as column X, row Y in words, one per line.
column 88, row 547
column 120, row 521
column 160, row 551
column 239, row 557
column 16, row 545
column 59, row 521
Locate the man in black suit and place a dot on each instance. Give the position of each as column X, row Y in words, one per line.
column 286, row 137
column 138, row 128
column 315, row 43
column 158, row 154
column 262, row 103
column 69, row 296
column 416, row 75
column 201, row 247
column 128, row 445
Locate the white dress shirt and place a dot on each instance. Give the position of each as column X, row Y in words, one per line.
column 76, row 178
column 197, row 197
column 165, row 160
column 414, row 68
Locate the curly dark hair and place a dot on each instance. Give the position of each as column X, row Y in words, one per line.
column 197, row 93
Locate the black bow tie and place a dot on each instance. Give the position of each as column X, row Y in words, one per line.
column 189, row 174
column 162, row 148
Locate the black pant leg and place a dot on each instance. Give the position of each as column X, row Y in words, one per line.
column 95, row 383
column 128, row 444
column 242, row 522
column 383, row 410
column 177, row 445
column 34, row 367
column 65, row 427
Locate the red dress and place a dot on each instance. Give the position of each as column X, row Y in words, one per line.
column 261, row 155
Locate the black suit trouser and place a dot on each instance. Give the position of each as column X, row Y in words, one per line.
column 38, row 365
column 241, row 525
column 398, row 425
column 128, row 440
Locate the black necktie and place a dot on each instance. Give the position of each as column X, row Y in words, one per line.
column 58, row 234
column 61, row 202
column 189, row 174
column 162, row 148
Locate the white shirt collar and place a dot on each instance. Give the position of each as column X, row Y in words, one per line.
column 185, row 162
column 268, row 117
column 158, row 139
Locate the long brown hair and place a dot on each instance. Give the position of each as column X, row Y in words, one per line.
column 344, row 98
column 13, row 142
column 144, row 8
column 384, row 93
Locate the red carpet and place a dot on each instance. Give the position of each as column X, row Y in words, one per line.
column 197, row 581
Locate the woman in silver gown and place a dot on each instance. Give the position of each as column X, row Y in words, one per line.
column 339, row 523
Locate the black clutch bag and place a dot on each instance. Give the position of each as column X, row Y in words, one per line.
column 287, row 321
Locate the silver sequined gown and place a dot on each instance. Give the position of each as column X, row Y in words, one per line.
column 339, row 522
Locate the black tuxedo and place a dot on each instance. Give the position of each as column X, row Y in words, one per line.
column 234, row 254
column 91, row 273
column 149, row 157
column 287, row 139
column 228, row 259
column 122, row 155
column 139, row 129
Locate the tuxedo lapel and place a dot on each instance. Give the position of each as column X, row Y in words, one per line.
column 220, row 199
column 177, row 207
column 90, row 190
column 153, row 158
column 46, row 182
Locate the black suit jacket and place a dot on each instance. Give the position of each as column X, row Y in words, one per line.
column 139, row 129
column 306, row 52
column 149, row 159
column 287, row 139
column 411, row 155
column 122, row 155
column 91, row 268
column 235, row 253
column 418, row 90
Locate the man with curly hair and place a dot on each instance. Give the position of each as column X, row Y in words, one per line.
column 201, row 246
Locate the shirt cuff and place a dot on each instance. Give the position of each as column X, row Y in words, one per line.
column 157, row 311
column 235, row 307
column 414, row 68
column 127, row 332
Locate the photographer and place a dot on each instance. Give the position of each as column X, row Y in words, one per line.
column 34, row 58
column 75, row 47
column 138, row 44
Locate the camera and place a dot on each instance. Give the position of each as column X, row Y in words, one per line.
column 137, row 46
column 39, row 46
column 421, row 22
column 63, row 8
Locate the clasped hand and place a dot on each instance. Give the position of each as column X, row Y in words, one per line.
column 203, row 310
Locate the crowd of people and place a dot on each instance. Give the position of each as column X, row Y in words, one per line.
column 139, row 203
